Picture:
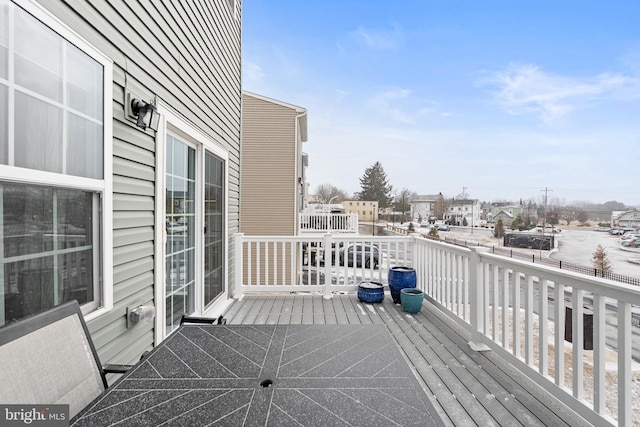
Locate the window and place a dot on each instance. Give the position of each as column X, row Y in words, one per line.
column 55, row 201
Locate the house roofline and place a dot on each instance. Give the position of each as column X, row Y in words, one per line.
column 298, row 109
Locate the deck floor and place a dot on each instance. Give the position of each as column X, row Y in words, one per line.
column 466, row 387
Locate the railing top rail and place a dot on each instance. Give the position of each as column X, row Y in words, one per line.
column 342, row 237
column 462, row 250
column 596, row 285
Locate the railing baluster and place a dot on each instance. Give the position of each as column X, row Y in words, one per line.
column 577, row 299
column 506, row 285
column 543, row 336
column 267, row 280
column 558, row 296
column 625, row 408
column 495, row 316
column 516, row 314
column 295, row 268
column 599, row 356
column 485, row 297
column 528, row 314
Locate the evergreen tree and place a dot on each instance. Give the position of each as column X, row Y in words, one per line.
column 517, row 223
column 498, row 231
column 375, row 186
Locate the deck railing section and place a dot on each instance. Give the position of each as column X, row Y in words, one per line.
column 319, row 223
column 327, row 263
column 514, row 308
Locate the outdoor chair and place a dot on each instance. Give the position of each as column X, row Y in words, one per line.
column 49, row 358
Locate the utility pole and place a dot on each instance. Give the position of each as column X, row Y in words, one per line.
column 544, row 224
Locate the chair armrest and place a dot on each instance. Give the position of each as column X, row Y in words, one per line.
column 116, row 369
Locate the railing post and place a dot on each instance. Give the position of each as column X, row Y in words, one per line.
column 327, row 242
column 237, row 284
column 476, row 299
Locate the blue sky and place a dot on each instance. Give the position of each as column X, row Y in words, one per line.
column 505, row 98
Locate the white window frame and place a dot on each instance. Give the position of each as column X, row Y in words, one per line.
column 173, row 123
column 104, row 187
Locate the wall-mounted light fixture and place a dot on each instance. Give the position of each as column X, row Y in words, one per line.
column 148, row 116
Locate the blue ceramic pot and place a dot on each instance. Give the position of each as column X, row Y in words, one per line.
column 370, row 292
column 411, row 299
column 400, row 278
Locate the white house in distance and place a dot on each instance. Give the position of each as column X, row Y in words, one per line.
column 459, row 210
column 626, row 219
column 423, row 207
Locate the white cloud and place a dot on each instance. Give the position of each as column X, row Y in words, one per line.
column 252, row 71
column 400, row 106
column 378, row 39
column 523, row 89
column 383, row 103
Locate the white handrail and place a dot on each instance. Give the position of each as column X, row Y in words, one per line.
column 318, row 223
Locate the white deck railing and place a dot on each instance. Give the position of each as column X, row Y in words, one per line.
column 319, row 223
column 479, row 291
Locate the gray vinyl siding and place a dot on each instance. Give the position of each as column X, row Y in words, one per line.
column 186, row 54
column 268, row 191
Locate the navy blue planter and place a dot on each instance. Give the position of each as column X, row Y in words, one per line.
column 370, row 292
column 400, row 278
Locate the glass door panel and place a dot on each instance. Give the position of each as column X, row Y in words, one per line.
column 180, row 216
column 214, row 228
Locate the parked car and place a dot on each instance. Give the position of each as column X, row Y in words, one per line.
column 359, row 253
column 607, row 229
column 616, row 231
column 443, row 227
column 633, row 242
column 548, row 229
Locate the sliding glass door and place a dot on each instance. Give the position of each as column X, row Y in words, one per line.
column 194, row 221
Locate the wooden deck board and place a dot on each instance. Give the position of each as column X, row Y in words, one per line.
column 519, row 400
column 465, row 387
column 489, row 392
column 440, row 365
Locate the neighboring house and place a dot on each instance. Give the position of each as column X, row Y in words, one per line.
column 97, row 208
column 424, row 207
column 367, row 210
column 506, row 217
column 511, row 209
column 626, row 219
column 464, row 209
column 272, row 188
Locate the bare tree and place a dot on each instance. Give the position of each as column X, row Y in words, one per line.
column 402, row 202
column 569, row 214
column 441, row 205
column 327, row 193
column 582, row 216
